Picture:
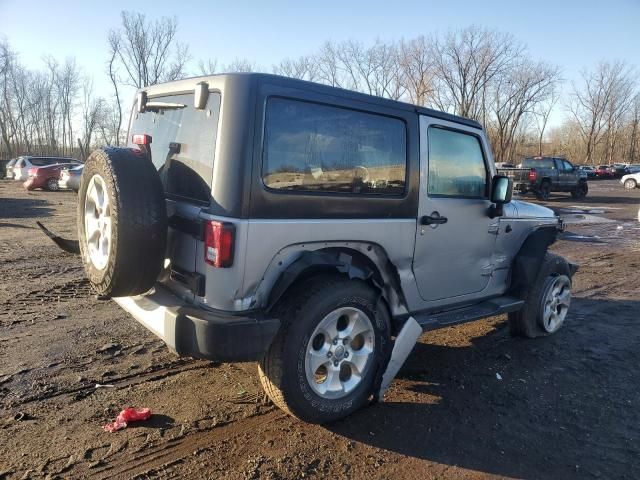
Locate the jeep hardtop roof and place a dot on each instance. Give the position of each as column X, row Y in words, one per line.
column 188, row 84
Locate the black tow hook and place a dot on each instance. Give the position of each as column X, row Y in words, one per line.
column 70, row 246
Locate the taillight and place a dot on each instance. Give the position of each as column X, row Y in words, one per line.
column 218, row 244
column 141, row 139
column 533, row 175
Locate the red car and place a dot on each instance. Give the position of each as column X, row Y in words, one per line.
column 603, row 171
column 46, row 177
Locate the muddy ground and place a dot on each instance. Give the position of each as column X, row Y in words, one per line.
column 567, row 406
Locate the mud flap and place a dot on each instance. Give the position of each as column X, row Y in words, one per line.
column 405, row 341
column 70, row 246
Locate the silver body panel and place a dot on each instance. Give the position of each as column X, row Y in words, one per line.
column 460, row 262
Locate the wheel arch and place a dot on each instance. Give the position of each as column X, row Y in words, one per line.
column 364, row 261
column 528, row 261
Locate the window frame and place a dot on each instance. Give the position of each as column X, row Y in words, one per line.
column 487, row 168
column 315, row 193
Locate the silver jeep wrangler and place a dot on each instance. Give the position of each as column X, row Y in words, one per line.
column 316, row 230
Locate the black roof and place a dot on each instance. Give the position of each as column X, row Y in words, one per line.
column 363, row 97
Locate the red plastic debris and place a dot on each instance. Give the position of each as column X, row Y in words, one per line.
column 128, row 415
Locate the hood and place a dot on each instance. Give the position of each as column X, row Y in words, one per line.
column 531, row 210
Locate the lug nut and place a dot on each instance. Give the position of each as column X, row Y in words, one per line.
column 335, row 341
column 345, row 341
column 346, row 354
column 329, row 354
column 335, row 364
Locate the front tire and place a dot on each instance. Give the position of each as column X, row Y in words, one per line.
column 52, row 185
column 630, row 184
column 546, row 302
column 330, row 351
column 580, row 191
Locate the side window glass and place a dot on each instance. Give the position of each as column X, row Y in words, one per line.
column 456, row 164
column 567, row 166
column 321, row 148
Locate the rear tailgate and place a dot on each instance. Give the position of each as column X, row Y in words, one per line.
column 518, row 175
column 182, row 145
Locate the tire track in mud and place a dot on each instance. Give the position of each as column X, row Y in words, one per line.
column 176, row 449
column 160, row 373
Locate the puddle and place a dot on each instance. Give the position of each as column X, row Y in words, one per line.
column 574, row 237
column 578, row 218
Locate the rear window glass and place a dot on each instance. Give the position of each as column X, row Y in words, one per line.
column 188, row 173
column 540, row 163
column 321, row 148
column 40, row 162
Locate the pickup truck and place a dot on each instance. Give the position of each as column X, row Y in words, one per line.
column 543, row 175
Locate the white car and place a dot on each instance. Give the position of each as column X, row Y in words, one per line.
column 630, row 181
column 22, row 166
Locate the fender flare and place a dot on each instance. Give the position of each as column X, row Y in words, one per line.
column 372, row 267
column 527, row 263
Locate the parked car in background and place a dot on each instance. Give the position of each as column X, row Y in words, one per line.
column 70, row 178
column 633, row 168
column 45, row 177
column 630, row 181
column 22, row 166
column 589, row 171
column 603, row 171
column 543, row 175
column 9, row 168
column 619, row 169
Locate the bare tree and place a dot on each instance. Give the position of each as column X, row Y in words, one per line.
column 599, row 102
column 303, row 68
column 634, row 127
column 92, row 112
column 241, row 65
column 515, row 95
column 466, row 63
column 148, row 51
column 209, row 67
column 542, row 112
column 416, row 66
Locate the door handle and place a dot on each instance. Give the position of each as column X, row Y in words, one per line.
column 433, row 219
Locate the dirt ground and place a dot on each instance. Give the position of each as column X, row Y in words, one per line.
column 566, row 406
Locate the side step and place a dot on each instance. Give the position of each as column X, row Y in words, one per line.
column 488, row 308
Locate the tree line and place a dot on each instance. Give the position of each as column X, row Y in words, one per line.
column 475, row 72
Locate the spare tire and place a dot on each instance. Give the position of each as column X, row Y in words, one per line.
column 122, row 222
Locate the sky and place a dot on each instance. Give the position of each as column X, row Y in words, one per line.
column 568, row 33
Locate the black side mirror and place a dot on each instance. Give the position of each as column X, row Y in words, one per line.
column 501, row 192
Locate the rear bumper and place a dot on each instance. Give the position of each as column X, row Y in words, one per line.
column 195, row 332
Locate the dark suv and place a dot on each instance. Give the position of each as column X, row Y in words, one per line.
column 543, row 175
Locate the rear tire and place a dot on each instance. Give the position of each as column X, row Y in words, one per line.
column 544, row 192
column 52, row 185
column 122, row 222
column 580, row 191
column 630, row 184
column 299, row 370
column 536, row 318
